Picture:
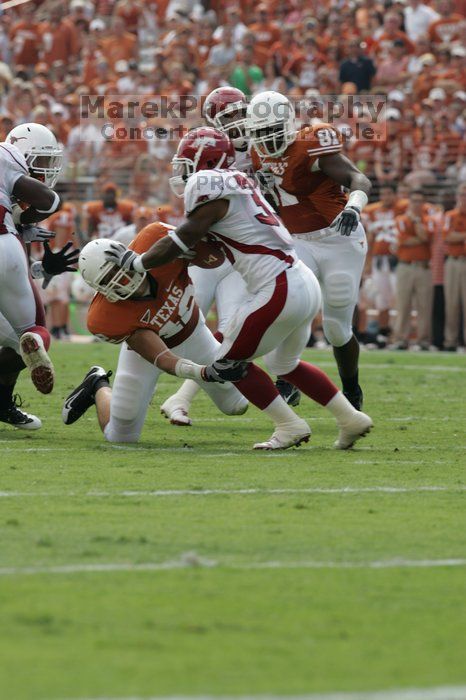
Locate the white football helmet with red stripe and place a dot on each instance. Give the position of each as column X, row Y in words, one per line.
column 225, row 109
column 271, row 123
column 40, row 149
column 203, row 148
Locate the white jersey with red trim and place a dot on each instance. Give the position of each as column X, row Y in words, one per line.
column 12, row 166
column 253, row 238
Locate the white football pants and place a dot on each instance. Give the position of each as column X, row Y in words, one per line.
column 136, row 380
column 338, row 262
column 221, row 284
column 18, row 310
column 275, row 322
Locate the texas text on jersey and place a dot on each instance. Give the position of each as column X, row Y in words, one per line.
column 168, row 309
column 309, row 200
column 253, row 237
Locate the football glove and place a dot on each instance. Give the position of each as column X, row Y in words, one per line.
column 55, row 263
column 266, row 181
column 225, row 371
column 347, row 221
column 121, row 256
column 31, row 233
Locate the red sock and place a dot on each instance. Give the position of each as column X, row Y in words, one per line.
column 312, row 382
column 257, row 387
column 44, row 334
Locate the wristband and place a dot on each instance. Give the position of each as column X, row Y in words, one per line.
column 37, row 270
column 357, row 199
column 138, row 265
column 188, row 370
column 54, row 207
column 177, row 241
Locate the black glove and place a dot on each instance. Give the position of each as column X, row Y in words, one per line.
column 346, row 221
column 266, row 181
column 59, row 262
column 225, row 371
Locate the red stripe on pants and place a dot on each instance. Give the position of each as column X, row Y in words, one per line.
column 257, row 323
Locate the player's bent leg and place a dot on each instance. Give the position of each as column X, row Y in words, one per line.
column 84, row 395
column 133, row 388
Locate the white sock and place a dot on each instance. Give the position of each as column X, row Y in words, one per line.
column 186, row 393
column 340, row 407
column 281, row 413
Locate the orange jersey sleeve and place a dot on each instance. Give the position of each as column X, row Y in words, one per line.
column 309, row 199
column 166, row 309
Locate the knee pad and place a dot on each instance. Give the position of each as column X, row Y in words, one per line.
column 126, row 397
column 337, row 331
column 278, row 366
column 339, row 289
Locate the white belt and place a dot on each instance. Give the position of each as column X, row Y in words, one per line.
column 315, row 235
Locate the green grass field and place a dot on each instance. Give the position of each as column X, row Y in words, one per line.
column 190, row 565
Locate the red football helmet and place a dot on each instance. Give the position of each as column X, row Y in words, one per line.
column 225, row 109
column 203, row 148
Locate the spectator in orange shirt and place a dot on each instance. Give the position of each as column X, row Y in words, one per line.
column 59, row 38
column 120, row 45
column 413, row 275
column 25, row 38
column 447, row 28
column 129, row 11
column 388, row 155
column 265, row 31
column 454, row 234
column 391, row 26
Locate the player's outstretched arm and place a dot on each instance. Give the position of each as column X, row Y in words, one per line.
column 41, row 199
column 343, row 170
column 176, row 242
column 152, row 348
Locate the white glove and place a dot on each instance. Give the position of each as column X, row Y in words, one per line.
column 16, row 212
column 121, row 256
column 30, row 233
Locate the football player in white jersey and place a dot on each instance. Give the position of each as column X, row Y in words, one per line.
column 309, row 171
column 284, row 295
column 224, row 109
column 30, row 161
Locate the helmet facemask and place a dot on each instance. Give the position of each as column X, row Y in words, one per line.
column 232, row 122
column 117, row 284
column 183, row 168
column 45, row 164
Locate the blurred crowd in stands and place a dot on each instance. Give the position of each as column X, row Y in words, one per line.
column 411, row 52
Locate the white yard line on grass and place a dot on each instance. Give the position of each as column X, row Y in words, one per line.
column 439, row 693
column 163, row 493
column 192, row 560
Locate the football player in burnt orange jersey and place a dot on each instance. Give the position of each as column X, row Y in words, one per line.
column 104, row 217
column 152, row 314
column 309, row 171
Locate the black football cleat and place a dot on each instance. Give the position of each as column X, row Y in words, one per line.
column 356, row 398
column 83, row 397
column 17, row 418
column 289, row 393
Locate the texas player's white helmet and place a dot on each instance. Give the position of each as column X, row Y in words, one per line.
column 271, row 123
column 105, row 277
column 40, row 149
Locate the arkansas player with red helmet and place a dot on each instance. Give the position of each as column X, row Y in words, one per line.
column 309, row 171
column 284, row 295
column 224, row 109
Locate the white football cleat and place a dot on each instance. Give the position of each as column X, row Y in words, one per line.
column 356, row 426
column 284, row 438
column 17, row 418
column 176, row 413
column 34, row 354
